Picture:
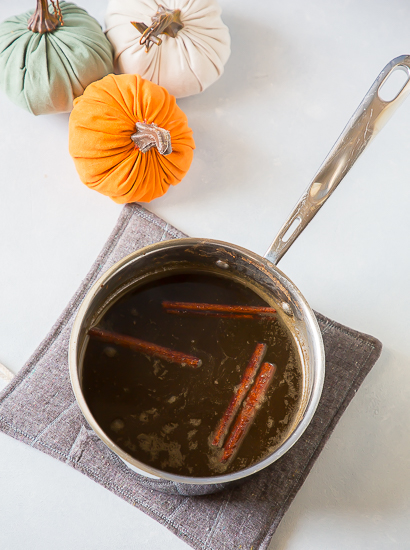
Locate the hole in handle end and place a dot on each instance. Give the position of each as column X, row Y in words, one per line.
column 394, row 84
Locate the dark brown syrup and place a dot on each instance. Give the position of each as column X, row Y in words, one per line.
column 164, row 414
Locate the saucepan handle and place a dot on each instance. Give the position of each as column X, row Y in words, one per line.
column 369, row 118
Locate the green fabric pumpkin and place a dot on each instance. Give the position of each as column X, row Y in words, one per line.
column 44, row 73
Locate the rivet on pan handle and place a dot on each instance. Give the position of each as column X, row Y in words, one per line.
column 369, row 118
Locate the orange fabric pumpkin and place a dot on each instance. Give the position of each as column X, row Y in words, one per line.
column 100, row 129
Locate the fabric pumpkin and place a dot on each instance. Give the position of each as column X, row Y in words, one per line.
column 185, row 64
column 101, row 125
column 43, row 73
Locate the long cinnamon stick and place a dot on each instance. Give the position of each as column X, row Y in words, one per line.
column 240, row 393
column 218, row 310
column 217, row 314
column 144, row 347
column 249, row 411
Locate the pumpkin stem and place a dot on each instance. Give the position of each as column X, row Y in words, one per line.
column 165, row 21
column 42, row 20
column 151, row 135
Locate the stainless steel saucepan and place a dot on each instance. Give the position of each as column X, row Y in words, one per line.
column 260, row 274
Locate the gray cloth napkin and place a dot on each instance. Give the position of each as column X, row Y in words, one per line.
column 38, row 408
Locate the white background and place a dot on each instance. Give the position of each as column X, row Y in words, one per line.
column 297, row 72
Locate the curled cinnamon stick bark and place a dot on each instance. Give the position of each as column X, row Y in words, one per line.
column 240, row 393
column 145, row 347
column 218, row 310
column 249, row 411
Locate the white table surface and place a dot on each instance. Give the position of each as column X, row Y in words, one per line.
column 297, row 71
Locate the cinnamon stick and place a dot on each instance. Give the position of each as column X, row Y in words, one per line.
column 217, row 314
column 249, row 411
column 240, row 393
column 144, row 347
column 218, row 310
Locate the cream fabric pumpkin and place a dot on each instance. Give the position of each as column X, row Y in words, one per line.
column 185, row 64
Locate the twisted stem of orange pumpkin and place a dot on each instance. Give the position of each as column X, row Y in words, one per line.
column 42, row 20
column 148, row 136
column 165, row 21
